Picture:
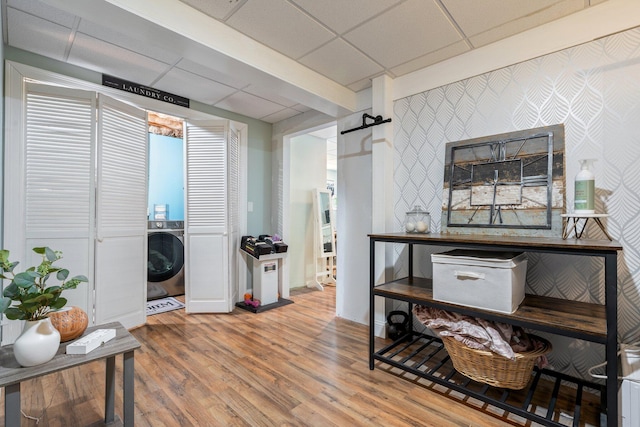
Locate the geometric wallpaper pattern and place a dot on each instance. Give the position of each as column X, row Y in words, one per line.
column 594, row 90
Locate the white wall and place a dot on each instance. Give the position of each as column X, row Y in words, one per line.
column 594, row 90
column 308, row 160
column 354, row 220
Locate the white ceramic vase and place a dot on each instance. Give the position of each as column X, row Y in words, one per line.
column 37, row 344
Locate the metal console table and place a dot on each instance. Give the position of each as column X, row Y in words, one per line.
column 12, row 374
column 425, row 357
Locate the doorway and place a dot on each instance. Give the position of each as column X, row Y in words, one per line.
column 165, row 209
column 312, row 166
column 95, row 254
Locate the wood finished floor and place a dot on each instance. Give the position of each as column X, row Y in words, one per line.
column 297, row 365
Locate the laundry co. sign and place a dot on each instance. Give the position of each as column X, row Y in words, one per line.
column 142, row 90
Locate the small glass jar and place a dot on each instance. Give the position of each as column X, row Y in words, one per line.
column 417, row 220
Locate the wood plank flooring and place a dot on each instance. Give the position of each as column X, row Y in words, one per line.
column 296, row 365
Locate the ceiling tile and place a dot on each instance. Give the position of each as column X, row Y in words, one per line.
column 362, row 84
column 107, row 58
column 494, row 13
column 44, row 11
column 249, row 105
column 351, row 13
column 36, row 35
column 280, row 115
column 97, row 31
column 410, row 30
column 265, row 93
column 218, row 9
column 192, row 86
column 431, row 58
column 211, row 74
column 301, row 108
column 341, row 62
column 365, row 83
column 281, row 26
column 514, row 25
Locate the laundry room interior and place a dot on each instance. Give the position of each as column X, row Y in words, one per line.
column 165, row 212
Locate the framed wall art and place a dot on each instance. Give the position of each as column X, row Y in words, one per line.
column 511, row 181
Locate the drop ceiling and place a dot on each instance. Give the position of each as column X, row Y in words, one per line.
column 340, row 45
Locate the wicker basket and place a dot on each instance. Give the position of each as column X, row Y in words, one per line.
column 490, row 368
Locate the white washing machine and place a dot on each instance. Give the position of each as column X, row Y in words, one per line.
column 165, row 259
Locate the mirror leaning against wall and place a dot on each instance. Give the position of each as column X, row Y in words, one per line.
column 324, row 245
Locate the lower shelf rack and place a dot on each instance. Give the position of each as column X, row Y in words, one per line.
column 540, row 401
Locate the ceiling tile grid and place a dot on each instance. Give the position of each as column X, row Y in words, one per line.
column 114, row 60
column 280, row 115
column 208, row 73
column 431, row 58
column 411, row 29
column 341, row 62
column 266, row 93
column 281, row 26
column 192, row 86
column 350, row 42
column 99, row 32
column 219, row 9
column 42, row 10
column 341, row 16
column 494, row 13
column 515, row 17
column 252, row 105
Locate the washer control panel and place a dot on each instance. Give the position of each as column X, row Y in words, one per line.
column 165, row 224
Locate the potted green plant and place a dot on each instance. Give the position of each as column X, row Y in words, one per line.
column 29, row 298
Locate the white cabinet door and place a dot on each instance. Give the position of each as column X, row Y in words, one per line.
column 207, row 281
column 121, row 225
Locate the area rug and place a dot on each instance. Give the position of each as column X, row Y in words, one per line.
column 163, row 305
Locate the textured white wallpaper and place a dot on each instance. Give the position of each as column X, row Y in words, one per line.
column 594, row 90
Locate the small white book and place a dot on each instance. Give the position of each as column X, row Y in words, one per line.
column 90, row 342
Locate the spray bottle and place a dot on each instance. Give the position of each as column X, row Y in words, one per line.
column 585, row 188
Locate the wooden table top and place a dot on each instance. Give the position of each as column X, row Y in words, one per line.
column 553, row 243
column 11, row 372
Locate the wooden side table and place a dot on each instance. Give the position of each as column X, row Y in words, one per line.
column 571, row 222
column 12, row 374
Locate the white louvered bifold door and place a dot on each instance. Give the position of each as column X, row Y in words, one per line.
column 58, row 183
column 121, row 242
column 233, row 203
column 207, row 287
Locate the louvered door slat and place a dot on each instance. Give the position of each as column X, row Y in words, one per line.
column 58, row 172
column 206, row 180
column 123, row 172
